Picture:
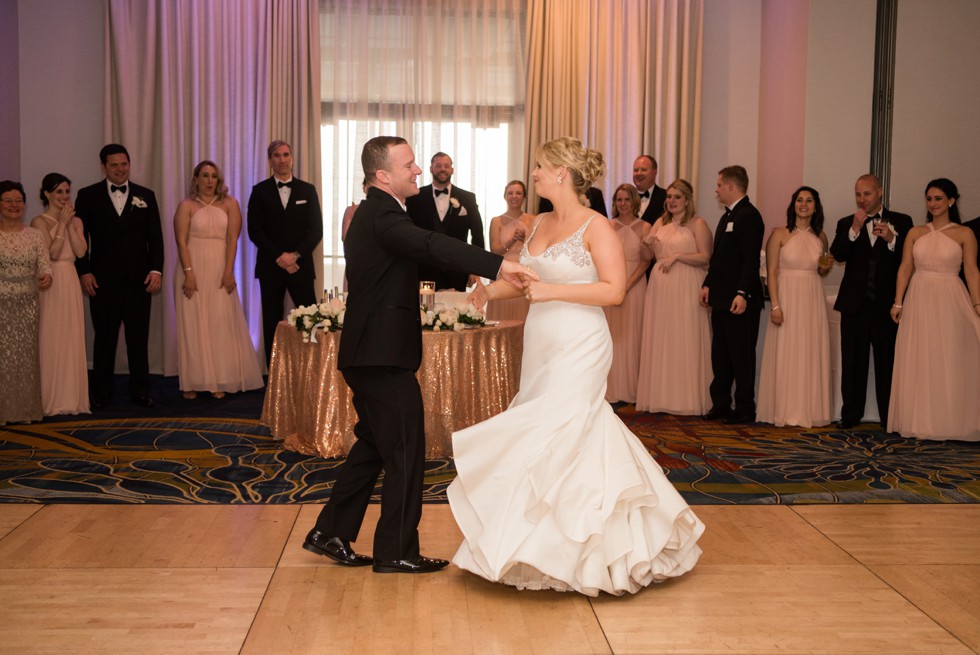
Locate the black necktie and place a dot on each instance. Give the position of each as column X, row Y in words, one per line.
column 282, row 184
column 439, row 192
column 645, row 194
column 121, row 189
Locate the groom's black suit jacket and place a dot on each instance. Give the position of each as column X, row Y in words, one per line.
column 274, row 230
column 382, row 324
column 859, row 256
column 465, row 228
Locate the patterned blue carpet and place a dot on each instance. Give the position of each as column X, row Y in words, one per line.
column 188, row 459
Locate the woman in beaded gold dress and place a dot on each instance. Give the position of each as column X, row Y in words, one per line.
column 24, row 270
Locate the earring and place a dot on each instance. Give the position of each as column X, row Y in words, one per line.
column 559, row 179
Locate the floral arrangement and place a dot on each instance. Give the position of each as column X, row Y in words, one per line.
column 327, row 316
column 454, row 318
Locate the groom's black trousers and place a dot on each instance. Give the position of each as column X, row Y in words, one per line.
column 391, row 437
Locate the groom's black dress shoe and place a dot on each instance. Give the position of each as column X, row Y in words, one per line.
column 847, row 423
column 335, row 548
column 717, row 413
column 414, row 565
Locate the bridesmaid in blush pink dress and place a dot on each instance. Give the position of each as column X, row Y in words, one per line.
column 626, row 319
column 214, row 349
column 675, row 356
column 507, row 234
column 937, row 352
column 795, row 386
column 61, row 338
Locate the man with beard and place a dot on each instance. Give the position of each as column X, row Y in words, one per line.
column 445, row 208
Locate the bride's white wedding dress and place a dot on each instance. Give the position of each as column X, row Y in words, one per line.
column 555, row 492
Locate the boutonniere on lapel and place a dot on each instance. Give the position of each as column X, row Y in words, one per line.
column 139, row 202
column 454, row 202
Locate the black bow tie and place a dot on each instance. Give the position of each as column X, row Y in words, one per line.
column 439, row 192
column 874, row 216
column 645, row 194
column 121, row 189
column 282, row 184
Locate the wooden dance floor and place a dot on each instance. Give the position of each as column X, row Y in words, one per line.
column 233, row 579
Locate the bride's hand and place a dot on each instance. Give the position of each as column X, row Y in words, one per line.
column 537, row 291
column 479, row 296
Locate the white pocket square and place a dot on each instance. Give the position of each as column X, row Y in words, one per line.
column 462, row 211
column 300, row 202
column 730, row 227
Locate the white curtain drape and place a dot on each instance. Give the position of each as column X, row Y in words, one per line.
column 216, row 80
column 622, row 75
column 448, row 75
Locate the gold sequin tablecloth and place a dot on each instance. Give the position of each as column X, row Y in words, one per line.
column 466, row 377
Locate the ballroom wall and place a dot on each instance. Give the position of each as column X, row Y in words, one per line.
column 61, row 92
column 9, row 103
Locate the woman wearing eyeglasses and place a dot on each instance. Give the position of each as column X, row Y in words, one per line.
column 24, row 270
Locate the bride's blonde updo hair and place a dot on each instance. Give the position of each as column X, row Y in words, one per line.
column 584, row 165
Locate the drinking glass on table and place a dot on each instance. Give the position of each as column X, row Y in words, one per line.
column 427, row 294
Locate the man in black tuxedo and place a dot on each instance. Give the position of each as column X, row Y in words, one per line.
column 652, row 197
column 869, row 243
column 120, row 272
column 733, row 290
column 975, row 226
column 285, row 224
column 445, row 208
column 380, row 352
column 593, row 197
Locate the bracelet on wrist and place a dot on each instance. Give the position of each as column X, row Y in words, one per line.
column 897, row 306
column 187, row 269
column 775, row 308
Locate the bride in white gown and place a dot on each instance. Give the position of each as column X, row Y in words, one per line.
column 555, row 492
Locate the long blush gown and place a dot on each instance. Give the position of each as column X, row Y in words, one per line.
column 675, row 354
column 936, row 382
column 795, row 386
column 626, row 320
column 64, row 368
column 510, row 308
column 214, row 349
column 555, row 492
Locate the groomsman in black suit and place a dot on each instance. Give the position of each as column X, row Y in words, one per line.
column 975, row 226
column 733, row 290
column 445, row 208
column 869, row 243
column 285, row 224
column 652, row 197
column 380, row 352
column 120, row 272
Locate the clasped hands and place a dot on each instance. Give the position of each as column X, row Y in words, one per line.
column 520, row 277
column 288, row 262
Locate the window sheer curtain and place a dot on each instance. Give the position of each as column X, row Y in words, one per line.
column 187, row 81
column 622, row 75
column 448, row 75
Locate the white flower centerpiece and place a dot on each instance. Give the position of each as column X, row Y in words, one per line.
column 455, row 318
column 327, row 316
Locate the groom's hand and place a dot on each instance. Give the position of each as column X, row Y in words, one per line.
column 515, row 274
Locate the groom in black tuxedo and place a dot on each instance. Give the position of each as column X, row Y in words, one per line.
column 445, row 208
column 120, row 272
column 380, row 352
column 285, row 224
column 869, row 243
column 733, row 290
